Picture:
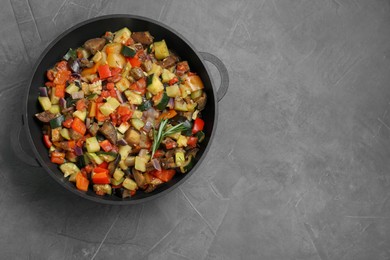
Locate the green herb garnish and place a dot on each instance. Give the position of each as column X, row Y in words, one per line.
column 160, row 134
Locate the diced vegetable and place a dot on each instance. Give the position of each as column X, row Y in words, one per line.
column 45, row 102
column 167, row 76
column 179, row 158
column 155, row 86
column 110, row 106
column 137, row 123
column 123, row 84
column 161, row 50
column 80, row 114
column 57, row 122
column 198, row 125
column 69, row 168
column 104, row 71
column 128, row 51
column 118, row 174
column 164, row 175
column 93, row 157
column 82, row 183
column 123, row 127
column 134, row 98
column 116, row 60
column 100, row 176
column 129, row 184
column 182, row 141
column 194, row 82
column 55, row 109
column 65, row 133
column 92, row 144
column 173, row 91
column 140, row 163
column 122, row 35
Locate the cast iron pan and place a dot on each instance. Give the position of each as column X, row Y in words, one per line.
column 96, row 27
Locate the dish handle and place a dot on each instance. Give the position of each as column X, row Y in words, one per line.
column 18, row 139
column 223, row 72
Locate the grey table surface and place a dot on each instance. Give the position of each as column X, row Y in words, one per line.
column 299, row 166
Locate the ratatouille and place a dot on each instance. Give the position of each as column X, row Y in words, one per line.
column 122, row 113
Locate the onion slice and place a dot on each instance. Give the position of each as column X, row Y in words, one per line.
column 43, row 92
column 62, row 103
column 156, row 164
column 120, row 96
column 78, row 150
column 122, row 142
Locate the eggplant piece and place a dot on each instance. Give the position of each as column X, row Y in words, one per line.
column 118, row 192
column 139, row 178
column 201, row 101
column 169, row 61
column 142, row 37
column 168, row 163
column 74, row 134
column 147, row 65
column 130, row 161
column 149, row 166
column 45, row 116
column 93, row 129
column 75, row 65
column 95, row 45
column 85, row 63
column 109, row 131
column 177, row 120
column 114, row 164
column 132, row 137
column 137, row 73
column 150, row 188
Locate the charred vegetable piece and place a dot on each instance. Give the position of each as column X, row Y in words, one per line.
column 45, row 116
column 95, row 45
column 142, row 37
column 137, row 73
column 109, row 131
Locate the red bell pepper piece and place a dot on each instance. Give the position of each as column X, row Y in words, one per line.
column 103, row 165
column 173, row 81
column 79, row 126
column 60, row 90
column 68, row 123
column 134, row 61
column 192, row 141
column 82, row 182
column 164, row 175
column 198, row 125
column 46, row 140
column 106, row 145
column 81, row 104
column 104, row 71
column 62, row 76
column 115, row 71
column 168, row 114
column 158, row 154
column 100, row 176
column 110, row 85
column 57, row 157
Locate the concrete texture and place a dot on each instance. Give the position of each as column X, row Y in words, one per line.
column 299, row 167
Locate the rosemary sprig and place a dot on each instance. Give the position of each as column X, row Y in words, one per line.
column 159, row 135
